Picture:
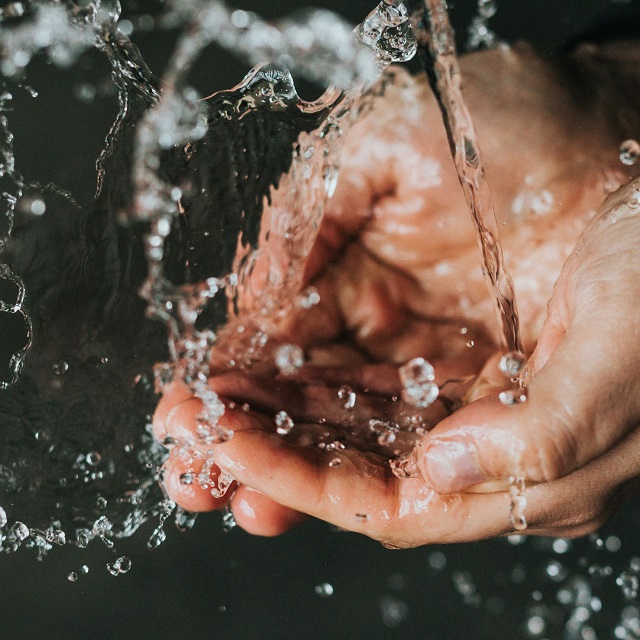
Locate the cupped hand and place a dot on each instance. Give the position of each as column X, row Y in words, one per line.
column 398, row 273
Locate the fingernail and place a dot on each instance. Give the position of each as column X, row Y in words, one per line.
column 452, row 466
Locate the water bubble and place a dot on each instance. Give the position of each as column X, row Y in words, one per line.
column 93, row 458
column 157, row 537
column 72, row 577
column 83, row 536
column 561, row 545
column 556, row 571
column 405, row 466
column 613, row 544
column 629, row 583
column 284, row 423
column 536, row 625
column 60, row 367
column 629, row 152
column 37, row 207
column 487, row 8
column 513, row 397
column 185, row 520
column 309, row 298
column 387, row 30
column 417, row 377
column 324, row 590
column 422, row 395
column 511, row 364
column 416, row 372
column 437, row 560
column 348, row 397
column 394, row 612
column 84, row 569
column 289, row 358
column 3, row 517
column 335, row 462
column 187, row 478
column 18, row 531
column 228, row 522
column 387, row 437
column 101, row 503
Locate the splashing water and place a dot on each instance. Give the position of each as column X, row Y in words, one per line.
column 183, row 150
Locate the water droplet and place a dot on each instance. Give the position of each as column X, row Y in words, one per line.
column 84, row 569
column 72, row 577
column 284, row 423
column 405, row 466
column 437, row 560
column 470, row 343
column 422, row 395
column 513, row 397
column 629, row 583
column 228, row 522
column 60, row 367
column 511, row 364
column 37, row 207
column 309, row 298
column 416, row 372
column 3, row 517
column 93, row 458
column 289, row 358
column 629, row 152
column 187, row 478
column 518, row 504
column 18, row 531
column 348, row 397
column 158, row 536
column 101, row 503
column 335, row 462
column 487, row 8
column 324, row 590
column 417, row 377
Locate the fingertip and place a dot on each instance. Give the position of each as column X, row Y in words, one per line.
column 259, row 515
column 475, row 449
column 173, row 394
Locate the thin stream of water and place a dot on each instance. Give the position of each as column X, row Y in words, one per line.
column 437, row 48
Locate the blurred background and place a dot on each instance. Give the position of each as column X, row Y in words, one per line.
column 313, row 582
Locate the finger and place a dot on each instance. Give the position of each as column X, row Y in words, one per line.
column 360, row 494
column 190, row 487
column 183, row 479
column 173, row 394
column 575, row 411
column 259, row 515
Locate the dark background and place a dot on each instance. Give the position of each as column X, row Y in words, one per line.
column 208, row 584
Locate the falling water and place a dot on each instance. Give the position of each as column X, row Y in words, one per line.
column 437, row 48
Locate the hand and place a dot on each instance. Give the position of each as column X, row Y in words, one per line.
column 397, row 270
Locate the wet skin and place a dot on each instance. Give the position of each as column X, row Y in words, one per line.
column 398, row 271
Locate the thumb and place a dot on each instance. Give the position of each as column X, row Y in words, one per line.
column 575, row 411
